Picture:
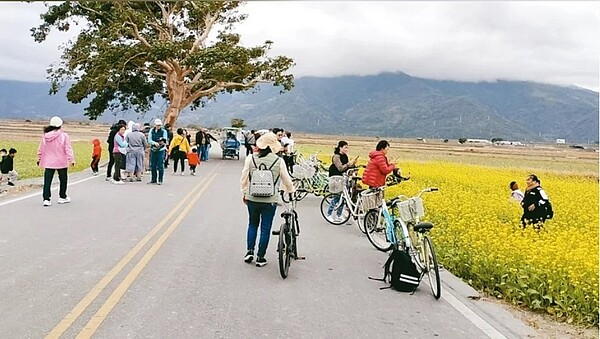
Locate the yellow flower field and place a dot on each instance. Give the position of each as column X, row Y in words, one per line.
column 478, row 237
column 477, row 233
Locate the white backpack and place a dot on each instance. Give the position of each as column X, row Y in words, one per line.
column 261, row 180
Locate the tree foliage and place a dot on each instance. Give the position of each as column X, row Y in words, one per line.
column 130, row 51
column 239, row 123
column 462, row 140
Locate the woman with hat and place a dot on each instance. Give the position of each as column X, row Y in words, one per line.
column 261, row 209
column 54, row 155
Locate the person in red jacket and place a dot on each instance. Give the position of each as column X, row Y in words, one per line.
column 378, row 167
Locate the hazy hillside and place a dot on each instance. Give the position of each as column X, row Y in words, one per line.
column 388, row 104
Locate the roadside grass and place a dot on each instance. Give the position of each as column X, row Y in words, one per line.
column 26, row 157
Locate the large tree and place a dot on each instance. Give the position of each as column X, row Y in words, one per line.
column 130, row 51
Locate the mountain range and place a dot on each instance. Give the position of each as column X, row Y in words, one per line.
column 385, row 105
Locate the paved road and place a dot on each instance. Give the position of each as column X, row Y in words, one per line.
column 146, row 261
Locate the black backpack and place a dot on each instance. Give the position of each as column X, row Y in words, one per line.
column 403, row 273
column 549, row 210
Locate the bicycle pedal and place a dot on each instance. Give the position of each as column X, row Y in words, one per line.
column 301, row 258
column 275, row 232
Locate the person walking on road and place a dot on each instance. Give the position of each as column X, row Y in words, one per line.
column 261, row 209
column 157, row 138
column 178, row 150
column 55, row 153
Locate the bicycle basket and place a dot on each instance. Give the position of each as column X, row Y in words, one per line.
column 411, row 209
column 336, row 184
column 371, row 199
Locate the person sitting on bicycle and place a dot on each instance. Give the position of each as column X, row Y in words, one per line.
column 378, row 167
column 339, row 165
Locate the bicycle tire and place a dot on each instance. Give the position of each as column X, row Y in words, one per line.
column 325, row 207
column 283, row 251
column 375, row 228
column 302, row 186
column 432, row 268
column 360, row 219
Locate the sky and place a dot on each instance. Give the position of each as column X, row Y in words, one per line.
column 552, row 42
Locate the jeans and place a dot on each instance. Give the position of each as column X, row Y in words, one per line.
column 62, row 177
column 205, row 150
column 334, row 200
column 263, row 213
column 157, row 164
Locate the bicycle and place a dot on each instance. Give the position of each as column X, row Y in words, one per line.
column 385, row 231
column 353, row 202
column 287, row 246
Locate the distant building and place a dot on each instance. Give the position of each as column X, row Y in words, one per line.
column 509, row 143
column 479, row 141
column 560, row 141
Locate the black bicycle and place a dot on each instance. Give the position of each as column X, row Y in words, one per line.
column 287, row 246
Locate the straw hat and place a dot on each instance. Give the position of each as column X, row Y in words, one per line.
column 269, row 140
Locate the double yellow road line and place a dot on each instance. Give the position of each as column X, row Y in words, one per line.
column 185, row 205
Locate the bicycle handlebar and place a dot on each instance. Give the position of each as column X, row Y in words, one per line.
column 426, row 190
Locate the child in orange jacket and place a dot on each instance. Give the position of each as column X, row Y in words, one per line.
column 96, row 155
column 193, row 160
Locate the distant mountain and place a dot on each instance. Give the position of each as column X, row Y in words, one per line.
column 388, row 104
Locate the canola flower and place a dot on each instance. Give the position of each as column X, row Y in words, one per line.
column 478, row 237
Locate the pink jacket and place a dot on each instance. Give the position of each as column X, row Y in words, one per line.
column 55, row 150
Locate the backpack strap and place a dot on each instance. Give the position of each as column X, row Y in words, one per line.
column 386, row 270
column 270, row 167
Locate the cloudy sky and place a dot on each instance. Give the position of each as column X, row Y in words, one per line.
column 543, row 41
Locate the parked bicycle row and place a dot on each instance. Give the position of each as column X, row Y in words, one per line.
column 390, row 225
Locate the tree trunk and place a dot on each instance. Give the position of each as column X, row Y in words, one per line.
column 176, row 92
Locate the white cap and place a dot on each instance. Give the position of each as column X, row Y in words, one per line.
column 56, row 122
column 157, row 122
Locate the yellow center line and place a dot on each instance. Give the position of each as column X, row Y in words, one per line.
column 72, row 316
column 97, row 319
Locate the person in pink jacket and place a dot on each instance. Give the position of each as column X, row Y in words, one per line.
column 55, row 154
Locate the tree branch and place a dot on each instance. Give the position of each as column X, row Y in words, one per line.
column 208, row 23
column 136, row 32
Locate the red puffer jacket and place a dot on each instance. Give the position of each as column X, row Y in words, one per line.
column 377, row 169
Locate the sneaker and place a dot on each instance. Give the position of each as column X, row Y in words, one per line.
column 260, row 262
column 10, row 183
column 47, row 203
column 64, row 201
column 138, row 179
column 151, row 182
column 160, row 182
column 249, row 256
column 337, row 218
column 120, row 182
column 107, row 179
column 182, row 174
column 95, row 173
column 193, row 173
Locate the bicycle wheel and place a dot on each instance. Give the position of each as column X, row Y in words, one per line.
column 375, row 227
column 433, row 271
column 360, row 219
column 299, row 183
column 333, row 218
column 284, row 251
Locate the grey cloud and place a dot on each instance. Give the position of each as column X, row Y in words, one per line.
column 543, row 41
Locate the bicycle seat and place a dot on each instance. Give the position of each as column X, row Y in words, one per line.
column 423, row 227
column 354, row 177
